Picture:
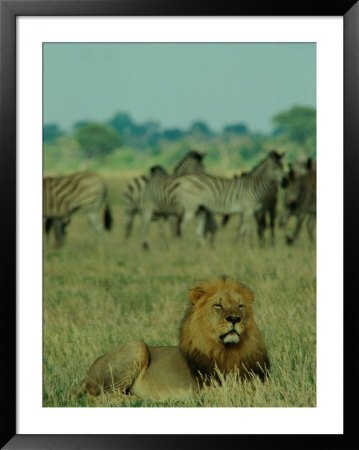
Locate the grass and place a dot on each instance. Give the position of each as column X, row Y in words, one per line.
column 95, row 298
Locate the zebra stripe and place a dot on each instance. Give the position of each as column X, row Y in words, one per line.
column 63, row 196
column 191, row 163
column 133, row 196
column 160, row 199
column 300, row 201
column 159, row 194
column 268, row 207
column 243, row 195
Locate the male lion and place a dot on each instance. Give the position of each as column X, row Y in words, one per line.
column 218, row 335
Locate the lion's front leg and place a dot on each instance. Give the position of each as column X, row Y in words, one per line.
column 118, row 369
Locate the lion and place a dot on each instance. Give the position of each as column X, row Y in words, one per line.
column 218, row 335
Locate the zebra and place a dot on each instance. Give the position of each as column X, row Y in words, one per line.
column 133, row 195
column 157, row 201
column 191, row 163
column 190, row 195
column 63, row 196
column 268, row 207
column 300, row 201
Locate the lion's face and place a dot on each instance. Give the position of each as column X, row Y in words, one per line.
column 219, row 332
column 221, row 310
column 227, row 316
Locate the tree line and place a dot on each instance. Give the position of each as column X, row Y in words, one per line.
column 96, row 139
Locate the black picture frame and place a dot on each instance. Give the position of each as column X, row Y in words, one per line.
column 9, row 10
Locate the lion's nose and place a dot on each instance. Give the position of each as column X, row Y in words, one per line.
column 233, row 319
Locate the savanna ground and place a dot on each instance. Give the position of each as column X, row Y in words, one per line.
column 96, row 298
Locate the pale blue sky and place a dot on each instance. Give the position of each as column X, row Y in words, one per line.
column 176, row 84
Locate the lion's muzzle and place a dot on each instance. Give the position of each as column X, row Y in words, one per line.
column 233, row 319
column 231, row 337
column 232, row 334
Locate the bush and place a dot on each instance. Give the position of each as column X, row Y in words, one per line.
column 97, row 140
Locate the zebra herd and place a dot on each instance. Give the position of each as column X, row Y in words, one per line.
column 189, row 193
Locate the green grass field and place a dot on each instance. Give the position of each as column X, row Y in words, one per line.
column 96, row 298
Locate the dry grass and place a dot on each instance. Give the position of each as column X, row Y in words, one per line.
column 95, row 298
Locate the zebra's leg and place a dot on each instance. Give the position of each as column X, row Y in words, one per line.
column 162, row 231
column 178, row 226
column 210, row 226
column 240, row 224
column 261, row 226
column 290, row 240
column 310, row 227
column 47, row 226
column 96, row 224
column 245, row 226
column 272, row 214
column 175, row 224
column 284, row 218
column 201, row 222
column 60, row 231
column 225, row 219
column 130, row 217
column 107, row 217
column 186, row 218
column 146, row 220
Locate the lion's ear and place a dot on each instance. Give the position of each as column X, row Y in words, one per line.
column 196, row 293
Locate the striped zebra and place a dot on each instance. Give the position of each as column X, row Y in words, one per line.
column 133, row 196
column 63, row 196
column 268, row 208
column 134, row 193
column 192, row 164
column 157, row 202
column 300, row 201
column 190, row 195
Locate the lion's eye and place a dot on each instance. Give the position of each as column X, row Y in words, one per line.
column 240, row 306
column 218, row 306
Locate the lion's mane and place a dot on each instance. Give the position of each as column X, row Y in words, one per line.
column 206, row 355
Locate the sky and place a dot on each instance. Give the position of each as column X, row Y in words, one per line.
column 176, row 84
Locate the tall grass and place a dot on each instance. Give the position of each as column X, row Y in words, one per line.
column 95, row 298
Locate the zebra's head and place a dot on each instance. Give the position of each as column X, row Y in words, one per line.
column 157, row 170
column 196, row 155
column 288, row 177
column 275, row 166
column 293, row 195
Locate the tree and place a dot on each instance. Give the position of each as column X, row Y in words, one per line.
column 201, row 128
column 239, row 129
column 51, row 132
column 152, row 127
column 97, row 139
column 299, row 123
column 173, row 134
column 81, row 123
column 122, row 123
